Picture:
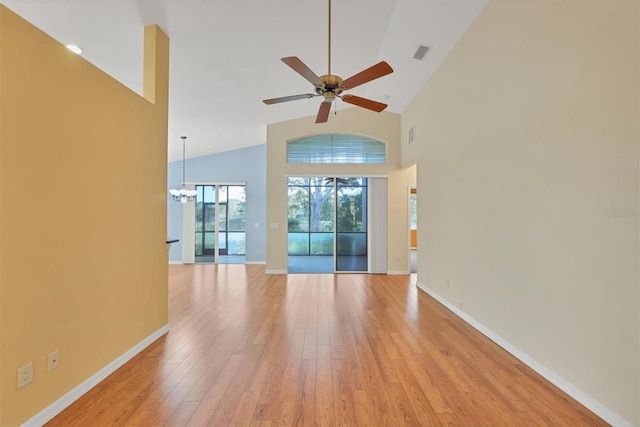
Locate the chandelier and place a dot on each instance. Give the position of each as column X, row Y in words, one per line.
column 183, row 195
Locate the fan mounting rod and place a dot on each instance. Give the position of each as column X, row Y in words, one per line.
column 329, row 72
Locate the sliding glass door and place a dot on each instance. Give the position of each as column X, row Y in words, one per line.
column 325, row 236
column 205, row 223
column 233, row 225
column 221, row 240
column 351, row 225
column 311, row 225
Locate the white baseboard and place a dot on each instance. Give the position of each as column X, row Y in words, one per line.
column 256, row 262
column 592, row 404
column 59, row 405
column 398, row 272
column 175, row 262
column 276, row 272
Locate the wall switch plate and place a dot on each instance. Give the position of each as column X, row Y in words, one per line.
column 25, row 375
column 54, row 360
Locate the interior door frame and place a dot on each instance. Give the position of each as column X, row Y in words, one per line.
column 410, row 190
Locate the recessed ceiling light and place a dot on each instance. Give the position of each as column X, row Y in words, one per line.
column 75, row 49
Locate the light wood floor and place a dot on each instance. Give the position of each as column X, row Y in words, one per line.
column 251, row 349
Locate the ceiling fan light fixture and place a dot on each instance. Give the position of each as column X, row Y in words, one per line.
column 329, row 97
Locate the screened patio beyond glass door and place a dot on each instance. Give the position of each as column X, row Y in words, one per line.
column 205, row 222
column 351, row 227
column 314, row 236
column 222, row 240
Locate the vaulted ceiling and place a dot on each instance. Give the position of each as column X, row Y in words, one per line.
column 225, row 54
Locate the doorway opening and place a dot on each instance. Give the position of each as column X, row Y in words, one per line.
column 413, row 230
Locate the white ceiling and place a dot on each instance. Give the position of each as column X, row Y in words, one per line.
column 225, row 54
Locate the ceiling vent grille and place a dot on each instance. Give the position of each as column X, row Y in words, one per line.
column 421, row 52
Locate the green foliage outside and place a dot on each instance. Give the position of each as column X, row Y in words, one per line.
column 311, row 213
column 231, row 221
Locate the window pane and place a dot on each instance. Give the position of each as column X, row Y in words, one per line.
column 351, row 209
column 198, row 244
column 298, row 216
column 209, row 217
column 352, row 244
column 351, row 182
column 236, row 208
column 222, row 194
column 222, row 242
column 222, row 221
column 321, row 243
column 336, row 148
column 236, row 192
column 298, row 180
column 209, row 239
column 320, row 182
column 236, row 243
column 298, row 244
column 209, row 194
column 199, row 216
column 321, row 200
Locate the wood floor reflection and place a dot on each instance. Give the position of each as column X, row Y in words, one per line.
column 250, row 349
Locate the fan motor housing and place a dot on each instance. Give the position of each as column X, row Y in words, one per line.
column 332, row 83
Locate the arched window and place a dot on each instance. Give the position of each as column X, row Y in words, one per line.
column 336, row 148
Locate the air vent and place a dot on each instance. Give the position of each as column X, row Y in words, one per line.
column 421, row 52
column 411, row 135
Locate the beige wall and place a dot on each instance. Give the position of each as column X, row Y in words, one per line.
column 526, row 140
column 83, row 260
column 384, row 127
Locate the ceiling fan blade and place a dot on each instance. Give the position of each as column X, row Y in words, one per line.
column 323, row 112
column 300, row 68
column 364, row 103
column 288, row 98
column 371, row 73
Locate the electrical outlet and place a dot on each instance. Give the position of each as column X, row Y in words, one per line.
column 448, row 283
column 54, row 360
column 25, row 375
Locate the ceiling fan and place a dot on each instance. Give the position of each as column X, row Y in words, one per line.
column 331, row 86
